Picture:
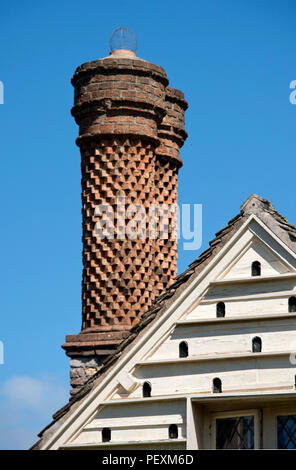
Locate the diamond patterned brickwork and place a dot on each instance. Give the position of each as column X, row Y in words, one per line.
column 131, row 128
column 166, row 178
column 118, row 281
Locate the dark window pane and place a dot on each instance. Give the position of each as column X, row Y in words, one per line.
column 235, row 433
column 286, row 432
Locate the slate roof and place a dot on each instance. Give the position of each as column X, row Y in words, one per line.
column 264, row 210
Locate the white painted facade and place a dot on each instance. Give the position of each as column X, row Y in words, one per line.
column 260, row 385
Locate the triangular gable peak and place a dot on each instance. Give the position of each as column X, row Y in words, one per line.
column 256, row 259
column 188, row 314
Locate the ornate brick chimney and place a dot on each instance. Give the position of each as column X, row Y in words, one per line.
column 131, row 128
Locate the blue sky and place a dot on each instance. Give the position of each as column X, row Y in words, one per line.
column 233, row 59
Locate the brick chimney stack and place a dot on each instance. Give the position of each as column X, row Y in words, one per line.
column 131, row 128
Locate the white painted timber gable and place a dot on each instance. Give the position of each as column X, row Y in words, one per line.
column 257, row 383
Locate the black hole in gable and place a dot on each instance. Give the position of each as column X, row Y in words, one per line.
column 147, row 389
column 256, row 344
column 292, row 304
column 173, row 431
column 256, row 268
column 220, row 309
column 183, row 349
column 217, row 385
column 106, row 434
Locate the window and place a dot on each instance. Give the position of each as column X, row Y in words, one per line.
column 256, row 268
column 217, row 385
column 183, row 349
column 292, row 304
column 286, row 432
column 235, row 433
column 106, row 434
column 147, row 389
column 220, row 309
column 173, row 431
column 256, row 344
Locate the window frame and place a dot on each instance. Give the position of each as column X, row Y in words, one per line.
column 286, row 412
column 236, row 414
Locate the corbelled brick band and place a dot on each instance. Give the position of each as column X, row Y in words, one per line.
column 131, row 128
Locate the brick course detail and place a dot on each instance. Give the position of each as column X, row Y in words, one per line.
column 131, row 128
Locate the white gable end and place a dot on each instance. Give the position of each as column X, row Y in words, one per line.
column 217, row 347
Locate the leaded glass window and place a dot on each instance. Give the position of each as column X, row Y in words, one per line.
column 235, row 433
column 286, row 432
